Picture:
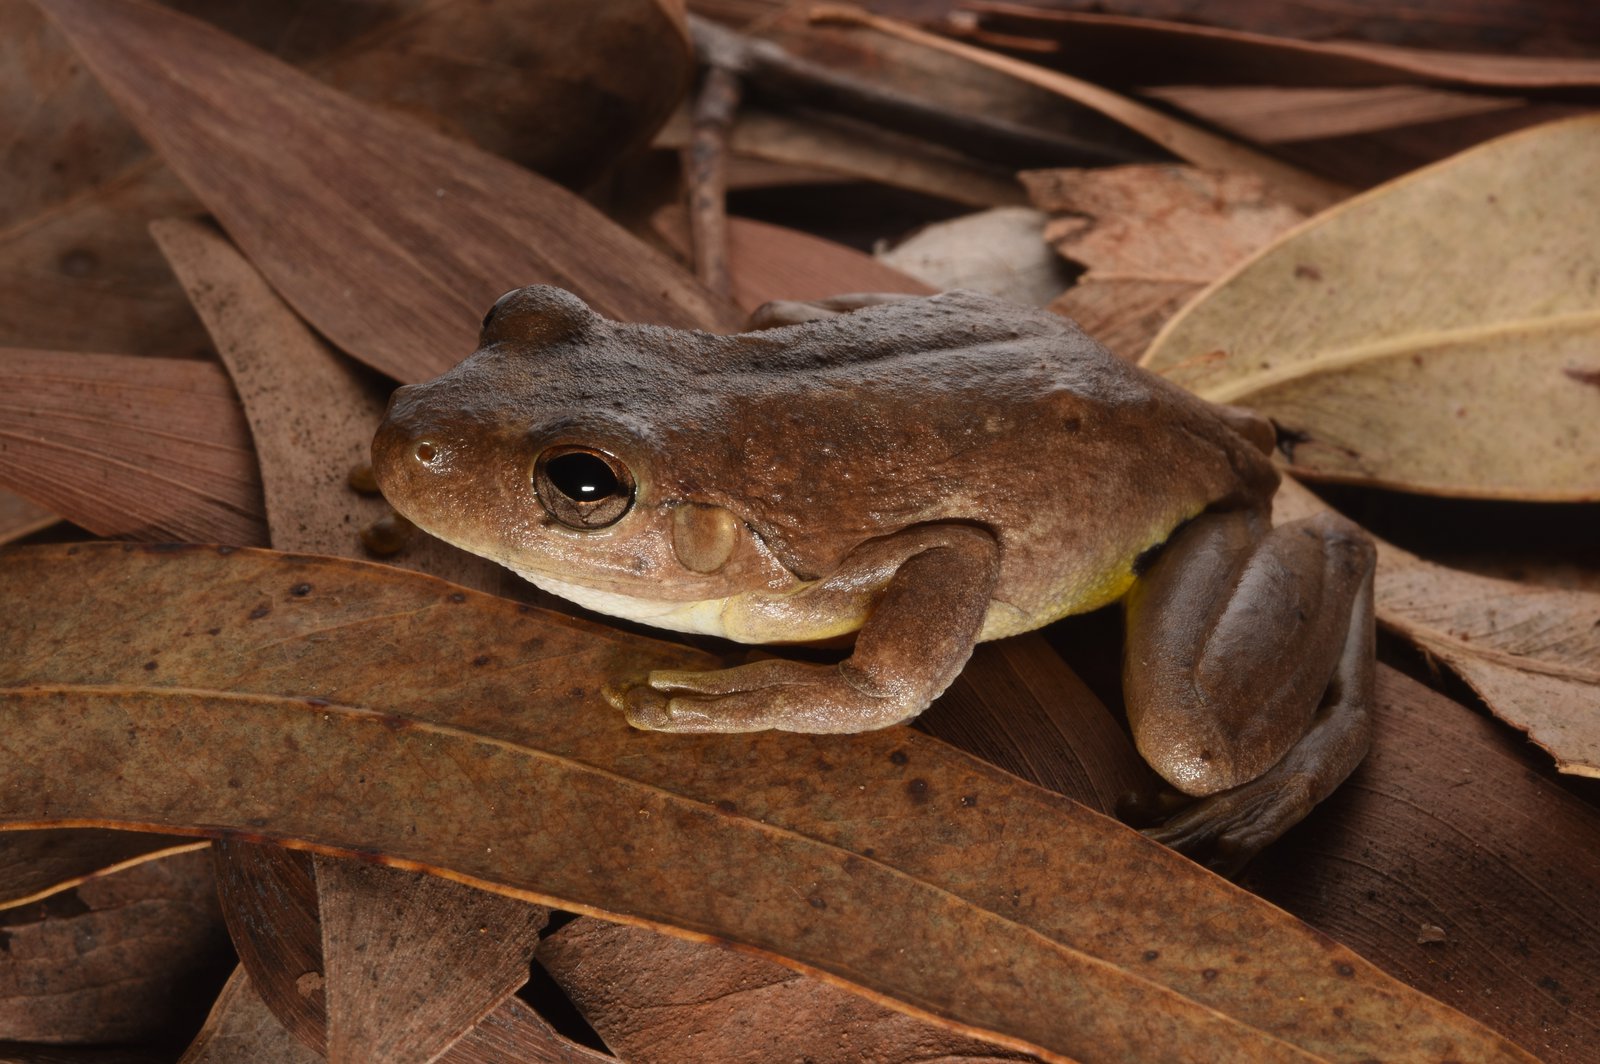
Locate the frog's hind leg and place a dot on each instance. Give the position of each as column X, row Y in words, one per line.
column 1248, row 673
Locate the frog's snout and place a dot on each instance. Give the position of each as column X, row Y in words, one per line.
column 409, row 449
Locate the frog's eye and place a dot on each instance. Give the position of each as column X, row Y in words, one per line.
column 581, row 487
column 487, row 318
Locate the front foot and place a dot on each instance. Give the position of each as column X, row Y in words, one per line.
column 1224, row 831
column 784, row 695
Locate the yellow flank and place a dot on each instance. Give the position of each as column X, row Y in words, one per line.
column 763, row 617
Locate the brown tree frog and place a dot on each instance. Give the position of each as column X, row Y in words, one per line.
column 923, row 474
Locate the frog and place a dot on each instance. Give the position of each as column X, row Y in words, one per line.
column 908, row 476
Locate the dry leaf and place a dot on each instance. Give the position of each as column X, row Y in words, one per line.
column 313, row 415
column 1121, row 50
column 1150, row 237
column 1437, row 334
column 36, row 864
column 76, row 256
column 412, row 962
column 770, row 262
column 1303, row 190
column 269, row 899
column 20, row 518
column 266, row 887
column 102, row 963
column 942, row 98
column 661, row 1000
column 438, row 773
column 312, row 412
column 854, row 150
column 13, row 1053
column 1000, row 251
column 148, row 448
column 1280, row 115
column 1531, row 653
column 1016, row 705
column 1453, row 820
column 388, row 238
column 84, row 276
column 241, row 1030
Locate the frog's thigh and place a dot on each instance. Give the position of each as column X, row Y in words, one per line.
column 920, row 632
column 1237, row 639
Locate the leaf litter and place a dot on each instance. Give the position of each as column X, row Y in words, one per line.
column 440, row 775
column 778, row 276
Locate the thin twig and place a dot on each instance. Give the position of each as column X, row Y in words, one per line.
column 706, row 174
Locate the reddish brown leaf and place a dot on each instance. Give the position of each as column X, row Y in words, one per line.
column 847, row 150
column 84, row 276
column 270, row 887
column 36, row 864
column 770, row 262
column 241, row 1030
column 19, row 517
column 313, row 414
column 1277, row 115
column 1124, row 50
column 101, row 963
column 1452, row 821
column 1201, row 147
column 79, row 186
column 661, row 1000
column 439, row 773
column 390, row 239
column 1018, row 705
column 413, row 961
column 152, row 449
column 269, row 898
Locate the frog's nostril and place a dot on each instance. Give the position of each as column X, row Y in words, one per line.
column 425, row 451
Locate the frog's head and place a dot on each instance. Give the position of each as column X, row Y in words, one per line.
column 546, row 451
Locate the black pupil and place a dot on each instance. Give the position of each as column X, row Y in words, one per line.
column 582, row 477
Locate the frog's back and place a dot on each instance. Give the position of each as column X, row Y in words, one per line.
column 966, row 408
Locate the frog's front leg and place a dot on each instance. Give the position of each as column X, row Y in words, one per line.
column 924, row 593
column 1249, row 674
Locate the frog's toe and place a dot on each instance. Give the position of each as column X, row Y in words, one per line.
column 1226, row 830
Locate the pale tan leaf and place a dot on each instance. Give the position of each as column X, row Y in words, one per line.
column 1437, row 333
